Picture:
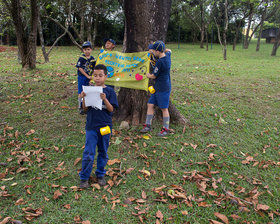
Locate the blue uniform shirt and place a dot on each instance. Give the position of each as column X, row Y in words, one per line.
column 162, row 73
column 86, row 63
column 96, row 118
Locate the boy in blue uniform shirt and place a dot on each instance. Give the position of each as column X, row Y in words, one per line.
column 85, row 67
column 97, row 119
column 161, row 75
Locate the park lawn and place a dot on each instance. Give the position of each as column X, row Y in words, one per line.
column 223, row 165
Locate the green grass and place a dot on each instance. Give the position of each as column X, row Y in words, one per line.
column 241, row 92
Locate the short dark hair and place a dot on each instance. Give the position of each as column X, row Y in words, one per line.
column 101, row 67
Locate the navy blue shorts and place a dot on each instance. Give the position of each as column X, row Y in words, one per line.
column 82, row 81
column 161, row 99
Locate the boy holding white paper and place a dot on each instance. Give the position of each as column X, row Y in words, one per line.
column 96, row 120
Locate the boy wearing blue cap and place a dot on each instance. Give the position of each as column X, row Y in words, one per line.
column 162, row 86
column 85, row 67
column 109, row 44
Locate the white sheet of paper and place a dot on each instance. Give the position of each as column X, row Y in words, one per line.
column 92, row 97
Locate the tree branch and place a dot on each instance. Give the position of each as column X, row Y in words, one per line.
column 66, row 30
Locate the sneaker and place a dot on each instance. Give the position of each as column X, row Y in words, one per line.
column 84, row 184
column 101, row 181
column 146, row 128
column 163, row 132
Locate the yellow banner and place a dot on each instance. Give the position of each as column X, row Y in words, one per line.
column 126, row 69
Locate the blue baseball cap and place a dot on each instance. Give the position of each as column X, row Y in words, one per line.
column 86, row 44
column 109, row 39
column 158, row 46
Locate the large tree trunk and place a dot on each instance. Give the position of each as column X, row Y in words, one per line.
column 145, row 21
column 26, row 44
column 276, row 44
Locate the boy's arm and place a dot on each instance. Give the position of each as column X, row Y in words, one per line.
column 167, row 50
column 84, row 73
column 151, row 76
column 108, row 105
column 84, row 102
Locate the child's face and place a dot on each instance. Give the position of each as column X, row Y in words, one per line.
column 87, row 51
column 99, row 77
column 109, row 45
column 156, row 53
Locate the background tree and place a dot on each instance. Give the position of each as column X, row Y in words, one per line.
column 270, row 8
column 6, row 25
column 146, row 21
column 221, row 20
column 26, row 35
column 239, row 13
column 252, row 8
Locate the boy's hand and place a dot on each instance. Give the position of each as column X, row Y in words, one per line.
column 103, row 96
column 150, row 76
column 83, row 94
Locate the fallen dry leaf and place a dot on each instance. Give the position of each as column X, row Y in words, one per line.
column 184, row 212
column 235, row 217
column 86, row 222
column 56, row 194
column 159, row 215
column 97, row 186
column 174, row 172
column 30, row 132
column 211, row 146
column 204, row 204
column 5, row 220
column 129, row 170
column 144, row 195
column 21, row 169
column 20, row 202
column 215, row 222
column 262, row 207
column 111, row 162
column 77, row 160
column 172, row 206
column 221, row 217
column 140, row 201
column 67, row 206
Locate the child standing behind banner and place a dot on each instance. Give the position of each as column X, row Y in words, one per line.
column 162, row 86
column 109, row 44
column 85, row 67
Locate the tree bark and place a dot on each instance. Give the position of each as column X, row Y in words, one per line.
column 225, row 30
column 202, row 26
column 42, row 41
column 145, row 21
column 261, row 27
column 276, row 44
column 26, row 43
